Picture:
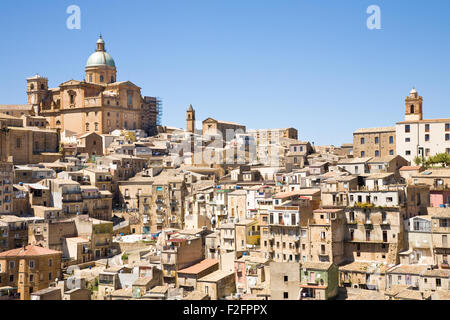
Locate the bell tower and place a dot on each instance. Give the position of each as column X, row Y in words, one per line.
column 37, row 89
column 190, row 119
column 413, row 103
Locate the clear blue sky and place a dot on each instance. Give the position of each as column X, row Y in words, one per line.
column 312, row 65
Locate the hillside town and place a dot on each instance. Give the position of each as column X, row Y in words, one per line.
column 99, row 200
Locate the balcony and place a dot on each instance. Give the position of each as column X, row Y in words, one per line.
column 169, row 273
column 228, row 237
column 368, row 225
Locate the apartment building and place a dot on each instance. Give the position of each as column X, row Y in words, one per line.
column 440, row 230
column 374, row 234
column 6, row 187
column 179, row 252
column 15, row 232
column 324, row 240
column 168, row 192
column 318, row 280
column 29, row 269
column 65, row 194
column 98, row 232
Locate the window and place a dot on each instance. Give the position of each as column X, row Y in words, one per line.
column 322, row 235
column 408, row 153
column 50, row 276
column 90, row 77
column 130, row 99
column 391, row 152
column 407, row 139
column 112, row 79
column 285, row 295
column 31, row 278
column 352, row 234
column 438, row 282
column 411, row 109
column 50, row 262
column 377, row 140
column 286, row 278
column 363, row 153
column 352, row 216
column 31, row 264
column 18, row 143
column 377, row 153
column 362, row 140
column 11, row 265
column 11, row 278
column 447, row 127
column 367, row 235
column 427, row 127
column 87, row 126
column 72, row 99
column 102, row 78
column 407, row 128
column 447, row 137
column 96, row 126
column 427, row 137
column 391, row 140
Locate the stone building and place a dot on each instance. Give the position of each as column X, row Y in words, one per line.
column 212, row 126
column 27, row 144
column 29, row 269
column 374, row 142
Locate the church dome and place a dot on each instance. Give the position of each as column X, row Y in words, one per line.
column 100, row 57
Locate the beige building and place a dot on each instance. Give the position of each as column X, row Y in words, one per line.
column 29, row 269
column 213, row 126
column 374, row 142
column 217, row 285
column 179, row 252
column 285, row 280
column 27, row 144
column 6, row 187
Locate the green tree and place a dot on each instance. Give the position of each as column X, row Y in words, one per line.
column 418, row 160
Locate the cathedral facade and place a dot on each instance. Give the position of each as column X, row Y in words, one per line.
column 98, row 104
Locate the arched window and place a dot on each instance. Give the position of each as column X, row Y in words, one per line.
column 112, row 79
column 32, row 86
column 102, row 78
column 58, row 123
column 42, row 87
column 412, row 109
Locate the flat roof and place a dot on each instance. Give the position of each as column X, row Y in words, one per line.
column 216, row 276
column 199, row 267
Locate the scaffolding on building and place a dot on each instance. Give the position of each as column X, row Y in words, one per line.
column 152, row 115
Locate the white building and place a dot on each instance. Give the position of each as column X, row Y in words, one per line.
column 418, row 137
